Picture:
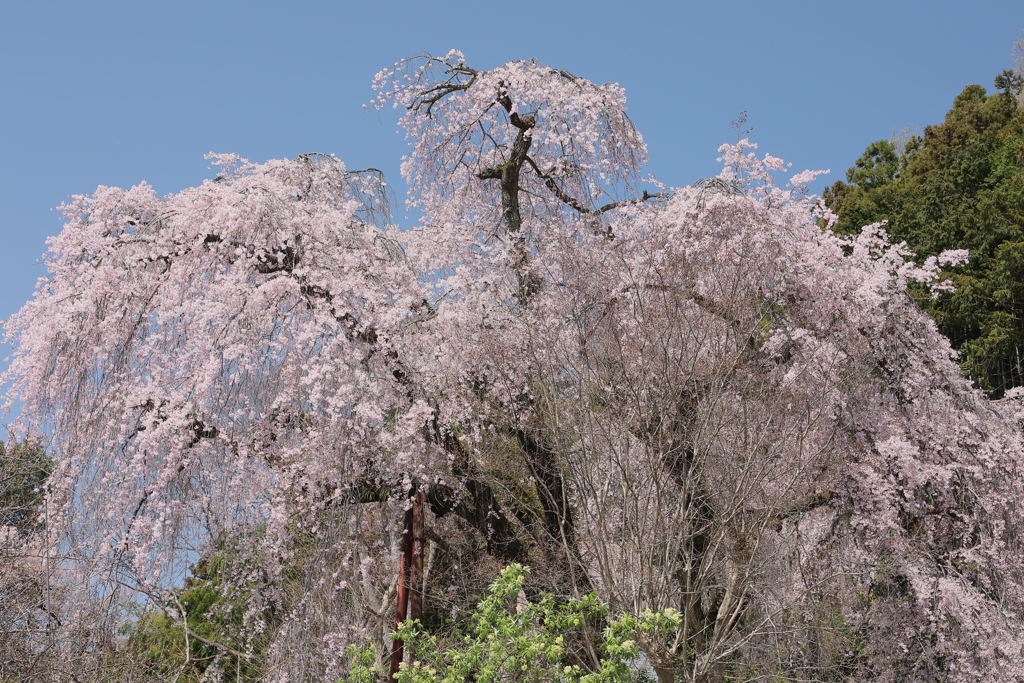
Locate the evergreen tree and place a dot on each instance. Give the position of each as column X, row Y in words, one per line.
column 960, row 186
column 24, row 468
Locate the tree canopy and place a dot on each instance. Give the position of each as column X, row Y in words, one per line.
column 688, row 401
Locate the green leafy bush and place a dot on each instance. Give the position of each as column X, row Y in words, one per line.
column 509, row 639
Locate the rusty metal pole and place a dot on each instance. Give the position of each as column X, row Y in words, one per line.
column 410, row 574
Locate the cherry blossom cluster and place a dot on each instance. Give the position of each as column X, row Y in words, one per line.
column 736, row 407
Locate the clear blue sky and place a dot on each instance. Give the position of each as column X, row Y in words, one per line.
column 112, row 93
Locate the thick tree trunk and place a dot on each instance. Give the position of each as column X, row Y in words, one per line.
column 417, row 531
column 666, row 674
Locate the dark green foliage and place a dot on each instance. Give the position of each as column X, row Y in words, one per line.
column 25, row 617
column 960, row 186
column 24, row 469
column 1011, row 82
column 878, row 166
column 215, row 626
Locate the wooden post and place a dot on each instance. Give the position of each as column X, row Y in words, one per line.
column 410, row 574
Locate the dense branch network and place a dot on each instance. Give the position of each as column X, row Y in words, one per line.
column 671, row 398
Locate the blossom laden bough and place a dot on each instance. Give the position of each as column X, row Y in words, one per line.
column 694, row 401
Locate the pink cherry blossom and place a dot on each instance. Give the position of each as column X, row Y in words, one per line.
column 683, row 398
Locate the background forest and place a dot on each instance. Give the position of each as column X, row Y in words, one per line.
column 574, row 424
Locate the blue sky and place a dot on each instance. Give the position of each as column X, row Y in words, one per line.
column 114, row 93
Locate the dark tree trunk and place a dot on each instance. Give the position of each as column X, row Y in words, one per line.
column 417, row 531
column 666, row 674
